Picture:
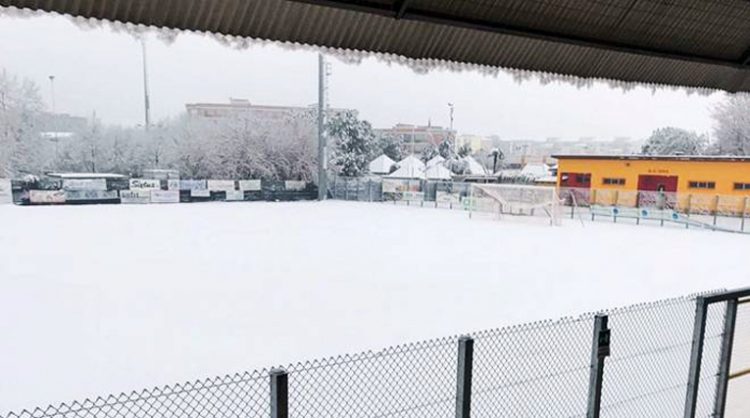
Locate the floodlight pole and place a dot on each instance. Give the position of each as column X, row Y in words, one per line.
column 322, row 157
column 146, row 100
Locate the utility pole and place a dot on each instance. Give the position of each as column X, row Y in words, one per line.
column 450, row 106
column 146, row 102
column 322, row 154
column 55, row 139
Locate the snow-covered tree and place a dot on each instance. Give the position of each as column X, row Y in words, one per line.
column 429, row 153
column 732, row 126
column 447, row 149
column 674, row 141
column 464, row 151
column 22, row 149
column 393, row 146
column 354, row 145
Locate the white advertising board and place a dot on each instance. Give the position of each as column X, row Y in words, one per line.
column 47, row 196
column 173, row 184
column 294, row 185
column 73, row 195
column 165, row 196
column 400, row 185
column 145, row 184
column 6, row 192
column 250, row 185
column 220, row 185
column 135, row 196
column 413, row 196
column 84, row 184
column 200, row 193
column 193, row 185
column 235, row 195
column 447, row 197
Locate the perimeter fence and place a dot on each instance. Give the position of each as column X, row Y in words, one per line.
column 672, row 358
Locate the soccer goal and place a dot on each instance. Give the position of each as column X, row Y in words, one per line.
column 515, row 200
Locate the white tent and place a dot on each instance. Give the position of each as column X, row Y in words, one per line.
column 436, row 160
column 408, row 172
column 381, row 165
column 474, row 167
column 438, row 172
column 535, row 170
column 411, row 163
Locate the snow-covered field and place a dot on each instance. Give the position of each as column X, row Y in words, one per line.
column 100, row 299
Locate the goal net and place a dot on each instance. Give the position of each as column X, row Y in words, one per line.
column 515, row 200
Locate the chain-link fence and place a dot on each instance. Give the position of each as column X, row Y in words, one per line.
column 718, row 212
column 652, row 360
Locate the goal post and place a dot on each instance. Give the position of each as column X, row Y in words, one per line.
column 517, row 200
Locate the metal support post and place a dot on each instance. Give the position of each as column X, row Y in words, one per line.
column 599, row 351
column 279, row 393
column 727, row 341
column 696, row 355
column 322, row 151
column 463, row 379
column 744, row 212
column 716, row 208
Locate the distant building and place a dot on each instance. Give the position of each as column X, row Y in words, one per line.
column 61, row 126
column 243, row 108
column 418, row 138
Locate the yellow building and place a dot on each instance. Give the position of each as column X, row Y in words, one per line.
column 691, row 183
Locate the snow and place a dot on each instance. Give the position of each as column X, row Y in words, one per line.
column 100, row 299
column 410, row 167
column 436, row 160
column 474, row 166
column 381, row 165
column 438, row 172
column 87, row 175
column 535, row 170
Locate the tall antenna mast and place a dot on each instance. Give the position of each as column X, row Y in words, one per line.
column 146, row 101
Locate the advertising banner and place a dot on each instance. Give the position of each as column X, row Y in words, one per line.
column 73, row 195
column 193, row 185
column 235, row 195
column 200, row 193
column 165, row 196
column 447, row 197
column 413, row 196
column 145, row 184
column 84, row 184
column 220, row 185
column 136, row 196
column 400, row 185
column 173, row 184
column 6, row 192
column 47, row 196
column 294, row 185
column 250, row 185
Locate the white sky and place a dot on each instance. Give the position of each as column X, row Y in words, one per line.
column 100, row 70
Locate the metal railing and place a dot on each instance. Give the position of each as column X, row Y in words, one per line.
column 663, row 359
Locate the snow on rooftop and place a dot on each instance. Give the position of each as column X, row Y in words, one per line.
column 87, row 175
column 438, row 172
column 381, row 165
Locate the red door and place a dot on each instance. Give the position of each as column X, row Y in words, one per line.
column 651, row 183
column 657, row 191
column 577, row 180
column 575, row 188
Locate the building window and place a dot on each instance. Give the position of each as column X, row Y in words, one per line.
column 583, row 178
column 741, row 186
column 613, row 181
column 702, row 185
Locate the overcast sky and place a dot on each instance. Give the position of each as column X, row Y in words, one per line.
column 100, row 70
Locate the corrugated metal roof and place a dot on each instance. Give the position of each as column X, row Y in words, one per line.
column 706, row 158
column 694, row 43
